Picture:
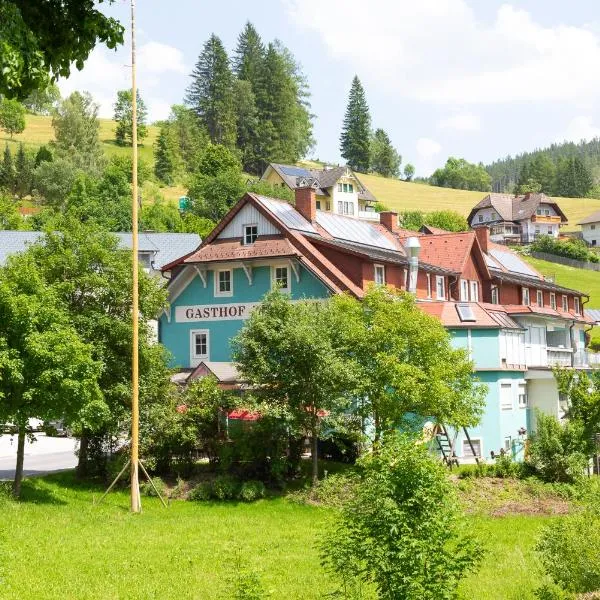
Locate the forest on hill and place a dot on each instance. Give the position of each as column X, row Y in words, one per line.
column 576, row 164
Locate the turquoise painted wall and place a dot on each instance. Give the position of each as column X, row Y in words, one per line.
column 485, row 345
column 176, row 336
column 496, row 423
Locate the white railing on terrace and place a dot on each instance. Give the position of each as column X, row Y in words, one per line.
column 559, row 357
column 593, row 359
column 369, row 215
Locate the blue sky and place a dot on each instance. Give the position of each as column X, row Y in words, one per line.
column 476, row 79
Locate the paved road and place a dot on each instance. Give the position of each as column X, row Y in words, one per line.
column 45, row 455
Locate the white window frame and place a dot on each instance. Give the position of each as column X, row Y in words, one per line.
column 465, row 444
column 505, row 407
column 519, row 396
column 508, row 439
column 440, row 279
column 495, row 294
column 552, row 300
column 218, row 292
column 576, row 305
column 285, row 290
column 428, row 285
column 525, row 298
column 246, row 227
column 480, row 217
column 565, row 303
column 474, row 291
column 464, row 290
column 379, row 274
column 196, row 359
column 405, row 278
column 539, row 294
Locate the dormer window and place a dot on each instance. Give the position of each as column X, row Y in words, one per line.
column 379, row 274
column 250, row 234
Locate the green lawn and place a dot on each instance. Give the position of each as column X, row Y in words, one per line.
column 56, row 544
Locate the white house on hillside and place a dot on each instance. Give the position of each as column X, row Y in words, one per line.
column 517, row 218
column 590, row 229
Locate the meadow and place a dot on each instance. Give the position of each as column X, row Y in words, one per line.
column 56, row 544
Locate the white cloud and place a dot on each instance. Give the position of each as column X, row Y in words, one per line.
column 579, row 128
column 107, row 71
column 438, row 51
column 427, row 148
column 461, row 122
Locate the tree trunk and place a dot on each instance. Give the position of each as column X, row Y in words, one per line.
column 82, row 462
column 19, row 466
column 315, row 456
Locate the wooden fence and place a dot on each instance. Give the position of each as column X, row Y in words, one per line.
column 569, row 262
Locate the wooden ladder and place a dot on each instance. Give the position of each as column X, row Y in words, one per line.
column 445, row 446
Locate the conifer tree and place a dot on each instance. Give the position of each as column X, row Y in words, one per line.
column 211, row 93
column 249, row 55
column 23, row 173
column 385, row 160
column 356, row 130
column 164, row 166
column 573, row 178
column 7, row 172
column 43, row 155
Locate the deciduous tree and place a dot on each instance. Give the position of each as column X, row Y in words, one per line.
column 43, row 101
column 12, row 116
column 123, row 116
column 409, row 172
column 355, row 141
column 462, row 175
column 289, row 351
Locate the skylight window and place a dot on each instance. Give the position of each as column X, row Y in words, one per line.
column 465, row 312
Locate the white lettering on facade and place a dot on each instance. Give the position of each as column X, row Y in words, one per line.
column 214, row 312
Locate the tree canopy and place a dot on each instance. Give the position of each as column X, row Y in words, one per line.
column 355, row 140
column 42, row 39
column 385, row 159
column 462, row 175
column 12, row 116
column 124, row 117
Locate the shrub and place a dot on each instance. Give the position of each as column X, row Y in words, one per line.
column 201, row 492
column 225, row 487
column 557, row 451
column 575, row 249
column 569, row 549
column 506, row 467
column 402, row 530
column 552, row 592
column 252, row 490
column 148, row 490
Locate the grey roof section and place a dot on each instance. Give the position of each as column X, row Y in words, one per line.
column 354, row 230
column 13, row 242
column 593, row 313
column 593, row 218
column 534, row 282
column 504, row 320
column 512, row 263
column 326, row 178
column 286, row 213
column 165, row 247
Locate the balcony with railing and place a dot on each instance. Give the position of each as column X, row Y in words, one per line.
column 370, row 215
column 545, row 219
column 559, row 357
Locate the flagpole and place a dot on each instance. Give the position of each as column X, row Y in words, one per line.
column 135, row 484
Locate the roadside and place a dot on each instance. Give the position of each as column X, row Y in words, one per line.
column 44, row 455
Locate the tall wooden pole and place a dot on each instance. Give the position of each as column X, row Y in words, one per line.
column 135, row 484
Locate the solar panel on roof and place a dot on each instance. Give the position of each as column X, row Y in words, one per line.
column 512, row 263
column 354, row 230
column 295, row 171
column 287, row 213
column 465, row 312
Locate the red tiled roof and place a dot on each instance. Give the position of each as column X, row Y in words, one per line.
column 446, row 312
column 449, row 250
column 519, row 309
column 234, row 249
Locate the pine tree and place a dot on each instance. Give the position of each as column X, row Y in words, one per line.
column 249, row 55
column 385, row 160
column 356, row 131
column 164, row 166
column 211, row 93
column 124, row 117
column 43, row 155
column 7, row 172
column 23, row 173
column 573, row 178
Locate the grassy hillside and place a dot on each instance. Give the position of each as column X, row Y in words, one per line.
column 39, row 131
column 400, row 195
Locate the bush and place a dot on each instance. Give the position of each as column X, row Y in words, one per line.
column 201, row 492
column 552, row 592
column 575, row 249
column 148, row 490
column 225, row 487
column 557, row 451
column 506, row 467
column 402, row 529
column 252, row 490
column 569, row 549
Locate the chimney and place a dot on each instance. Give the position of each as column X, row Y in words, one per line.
column 306, row 204
column 389, row 219
column 483, row 237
